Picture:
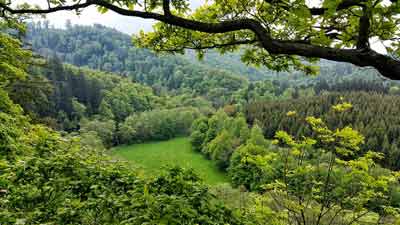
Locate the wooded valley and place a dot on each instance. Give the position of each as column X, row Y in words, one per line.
column 99, row 127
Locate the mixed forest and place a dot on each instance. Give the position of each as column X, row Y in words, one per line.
column 293, row 148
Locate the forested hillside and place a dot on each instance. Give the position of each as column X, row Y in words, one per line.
column 99, row 127
column 374, row 115
column 102, row 105
column 228, row 118
column 74, row 98
column 50, row 178
column 106, row 49
column 78, row 93
column 68, row 93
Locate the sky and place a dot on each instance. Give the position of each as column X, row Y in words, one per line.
column 90, row 16
column 129, row 25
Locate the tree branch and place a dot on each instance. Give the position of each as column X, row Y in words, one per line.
column 222, row 27
column 386, row 65
column 5, row 7
column 363, row 33
column 166, row 7
column 214, row 46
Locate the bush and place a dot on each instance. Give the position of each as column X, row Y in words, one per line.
column 105, row 129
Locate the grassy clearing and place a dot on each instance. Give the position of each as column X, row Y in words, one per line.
column 151, row 157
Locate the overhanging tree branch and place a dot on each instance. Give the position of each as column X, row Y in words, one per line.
column 214, row 46
column 7, row 8
column 386, row 65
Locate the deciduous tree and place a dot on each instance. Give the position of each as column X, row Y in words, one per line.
column 275, row 33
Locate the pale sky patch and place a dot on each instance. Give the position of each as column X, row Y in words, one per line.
column 89, row 16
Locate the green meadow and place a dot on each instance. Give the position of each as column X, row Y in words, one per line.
column 152, row 156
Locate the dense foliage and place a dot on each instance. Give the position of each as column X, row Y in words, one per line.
column 322, row 177
column 75, row 93
column 325, row 173
column 106, row 49
column 277, row 34
column 374, row 115
column 77, row 99
column 220, row 79
column 157, row 125
column 46, row 178
column 218, row 136
column 49, row 179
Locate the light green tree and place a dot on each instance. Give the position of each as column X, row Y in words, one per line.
column 325, row 181
column 14, row 59
column 105, row 129
column 221, row 148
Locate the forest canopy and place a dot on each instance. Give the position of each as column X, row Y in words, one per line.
column 295, row 151
column 48, row 177
column 278, row 34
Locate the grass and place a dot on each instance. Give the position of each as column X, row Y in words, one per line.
column 152, row 156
